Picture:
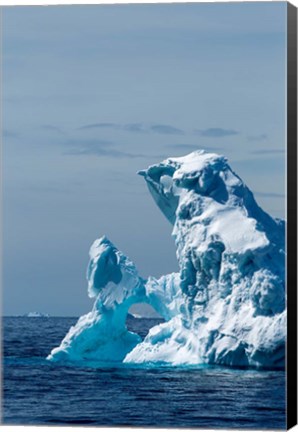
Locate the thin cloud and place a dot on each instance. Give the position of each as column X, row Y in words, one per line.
column 192, row 147
column 100, row 126
column 135, row 127
column 48, row 189
column 215, row 132
column 166, row 129
column 269, row 194
column 101, row 152
column 268, row 151
column 53, row 128
column 261, row 137
column 99, row 148
column 9, row 134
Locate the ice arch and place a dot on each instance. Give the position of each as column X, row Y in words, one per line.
column 102, row 334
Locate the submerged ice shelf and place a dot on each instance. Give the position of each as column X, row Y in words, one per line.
column 226, row 306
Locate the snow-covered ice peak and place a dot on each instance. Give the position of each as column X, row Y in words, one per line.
column 102, row 334
column 198, row 186
column 111, row 276
column 216, row 220
column 227, row 303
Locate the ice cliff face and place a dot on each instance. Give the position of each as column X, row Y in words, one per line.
column 226, row 305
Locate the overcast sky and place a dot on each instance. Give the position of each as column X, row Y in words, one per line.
column 91, row 94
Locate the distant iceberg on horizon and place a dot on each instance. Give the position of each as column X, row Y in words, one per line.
column 227, row 304
column 36, row 315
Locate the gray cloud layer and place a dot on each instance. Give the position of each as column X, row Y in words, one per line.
column 215, row 132
column 100, row 148
column 136, row 128
column 269, row 194
column 9, row 134
column 100, row 126
column 261, row 137
column 52, row 128
column 268, row 151
column 166, row 129
column 192, row 147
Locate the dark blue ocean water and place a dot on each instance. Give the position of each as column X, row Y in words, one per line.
column 36, row 391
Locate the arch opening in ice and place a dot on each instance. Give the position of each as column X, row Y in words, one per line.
column 141, row 318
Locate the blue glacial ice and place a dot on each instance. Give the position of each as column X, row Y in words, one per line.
column 226, row 306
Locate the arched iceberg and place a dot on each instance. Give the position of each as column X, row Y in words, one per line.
column 226, row 306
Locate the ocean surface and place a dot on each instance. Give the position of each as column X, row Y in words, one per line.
column 39, row 392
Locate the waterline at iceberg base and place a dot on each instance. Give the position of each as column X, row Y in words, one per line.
column 226, row 306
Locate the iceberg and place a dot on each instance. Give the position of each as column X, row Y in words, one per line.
column 36, row 315
column 226, row 305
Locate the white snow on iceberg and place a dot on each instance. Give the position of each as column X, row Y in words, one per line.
column 226, row 306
